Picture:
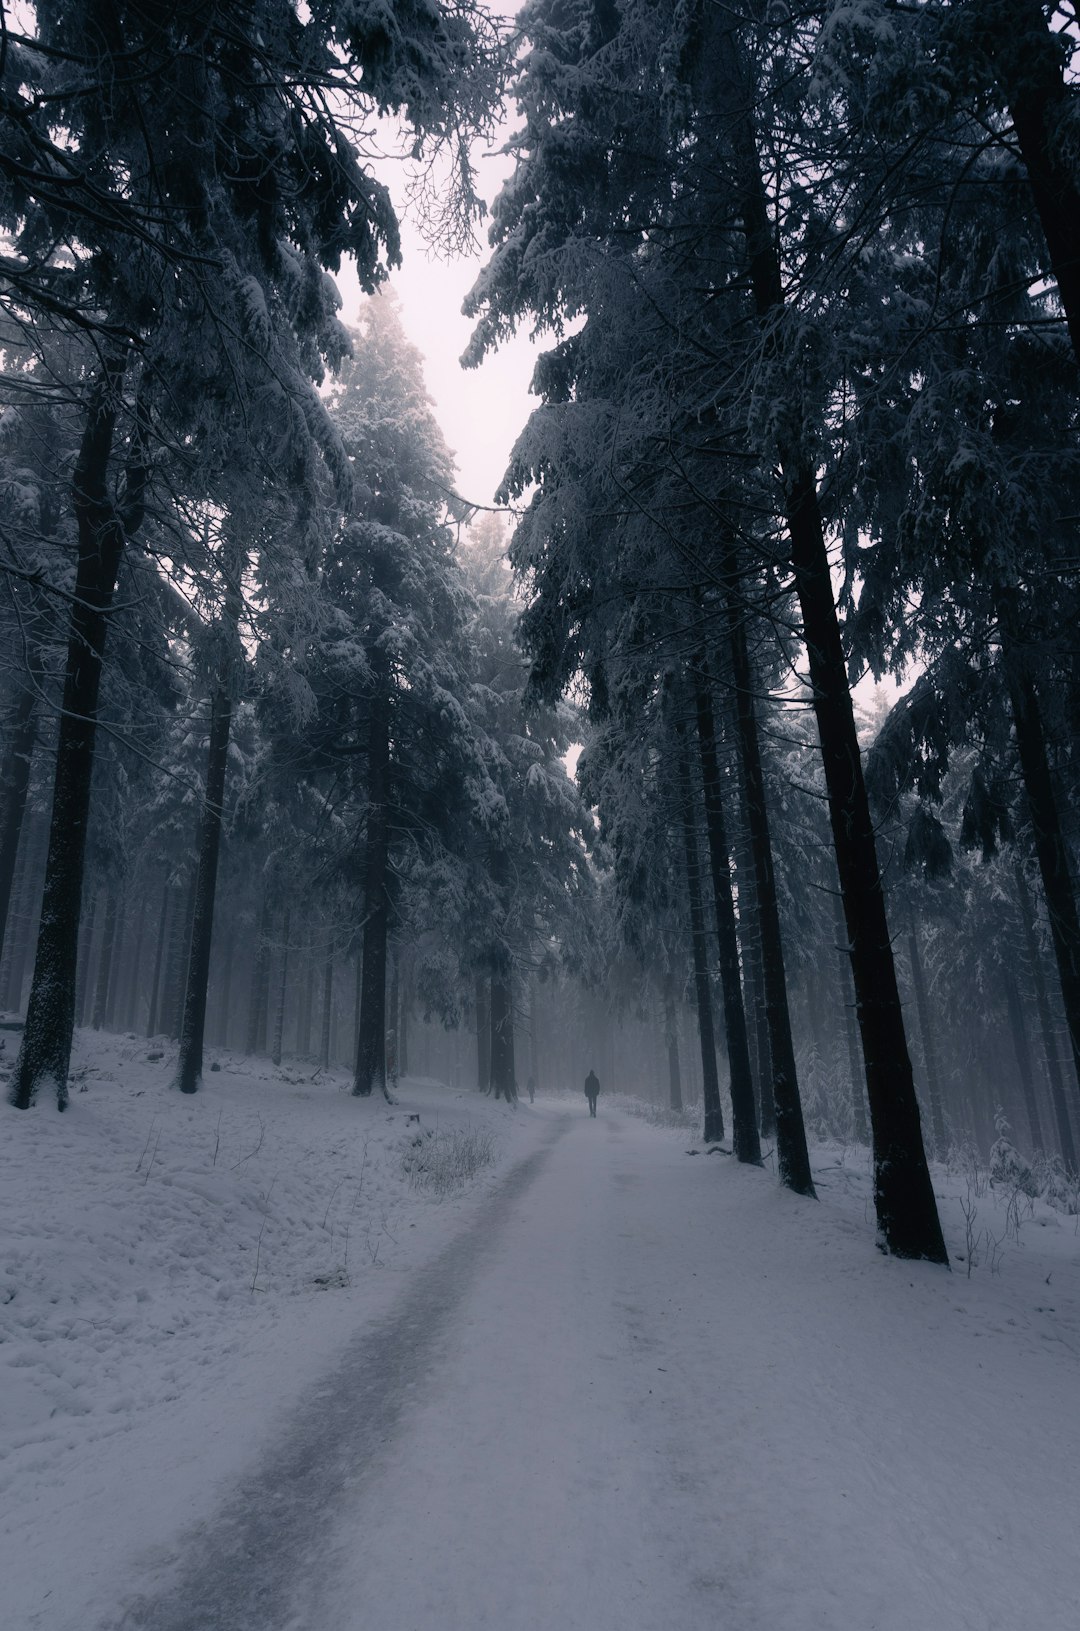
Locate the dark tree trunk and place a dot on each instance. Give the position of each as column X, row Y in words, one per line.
column 534, row 1034
column 393, row 1015
column 82, row 966
column 357, row 993
column 283, row 989
column 307, row 995
column 371, row 1044
column 404, row 1013
column 903, row 1194
column 483, row 1034
column 193, row 1024
column 671, row 1041
column 743, row 1110
column 172, row 1001
column 14, row 786
column 1030, row 67
column 45, row 1054
column 122, row 970
column 1022, row 1051
column 926, row 1034
column 152, row 1013
column 847, row 1004
column 753, row 980
column 13, row 955
column 327, row 1009
column 224, row 1007
column 503, row 1069
column 1042, row 1007
column 135, row 987
column 793, row 1159
column 106, row 959
column 259, row 999
column 710, row 1082
column 1050, row 846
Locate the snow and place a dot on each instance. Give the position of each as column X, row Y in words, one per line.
column 615, row 1381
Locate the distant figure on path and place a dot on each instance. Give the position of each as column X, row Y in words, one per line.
column 592, row 1089
column 532, row 1090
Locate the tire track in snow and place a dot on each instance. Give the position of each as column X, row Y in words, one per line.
column 239, row 1569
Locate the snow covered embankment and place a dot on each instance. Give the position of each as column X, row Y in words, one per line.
column 161, row 1250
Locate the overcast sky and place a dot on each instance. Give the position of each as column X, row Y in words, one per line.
column 481, row 410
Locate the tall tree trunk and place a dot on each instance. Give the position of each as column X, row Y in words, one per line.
column 327, row 1008
column 903, row 1194
column 259, row 998
column 404, row 1015
column 793, row 1159
column 926, row 1034
column 45, row 1054
column 503, row 1069
column 371, row 1044
column 135, row 987
column 14, row 786
column 1022, row 1052
column 1042, row 1008
column 283, row 989
column 1050, row 847
column 743, row 1110
column 393, row 1014
column 534, row 1033
column 106, row 958
column 483, row 1033
column 153, row 1016
column 753, row 963
column 193, row 1023
column 671, row 1041
column 847, row 1004
column 82, row 966
column 1030, row 66
column 224, row 1006
column 710, row 1090
column 176, row 966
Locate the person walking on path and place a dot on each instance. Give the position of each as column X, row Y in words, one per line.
column 592, row 1090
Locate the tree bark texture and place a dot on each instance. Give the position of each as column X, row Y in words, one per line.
column 743, row 1110
column 903, row 1194
column 483, row 1033
column 1029, row 63
column 926, row 1035
column 152, row 1015
column 671, row 1043
column 371, row 1043
column 1042, row 1007
column 283, row 989
column 710, row 1081
column 106, row 959
column 793, row 1158
column 193, row 1024
column 259, row 998
column 851, row 1036
column 1050, row 847
column 327, row 1009
column 45, row 1055
column 503, row 1066
column 14, row 787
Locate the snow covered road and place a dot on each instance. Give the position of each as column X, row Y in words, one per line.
column 654, row 1393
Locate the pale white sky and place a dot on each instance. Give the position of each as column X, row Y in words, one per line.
column 481, row 410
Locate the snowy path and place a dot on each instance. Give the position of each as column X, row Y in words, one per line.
column 653, row 1393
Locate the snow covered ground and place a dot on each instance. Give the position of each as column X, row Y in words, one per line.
column 259, row 1368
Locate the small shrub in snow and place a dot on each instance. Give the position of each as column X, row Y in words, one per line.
column 1008, row 1168
column 441, row 1163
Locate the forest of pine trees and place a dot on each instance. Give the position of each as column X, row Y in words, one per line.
column 285, row 738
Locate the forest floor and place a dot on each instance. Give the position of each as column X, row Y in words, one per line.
column 265, row 1366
